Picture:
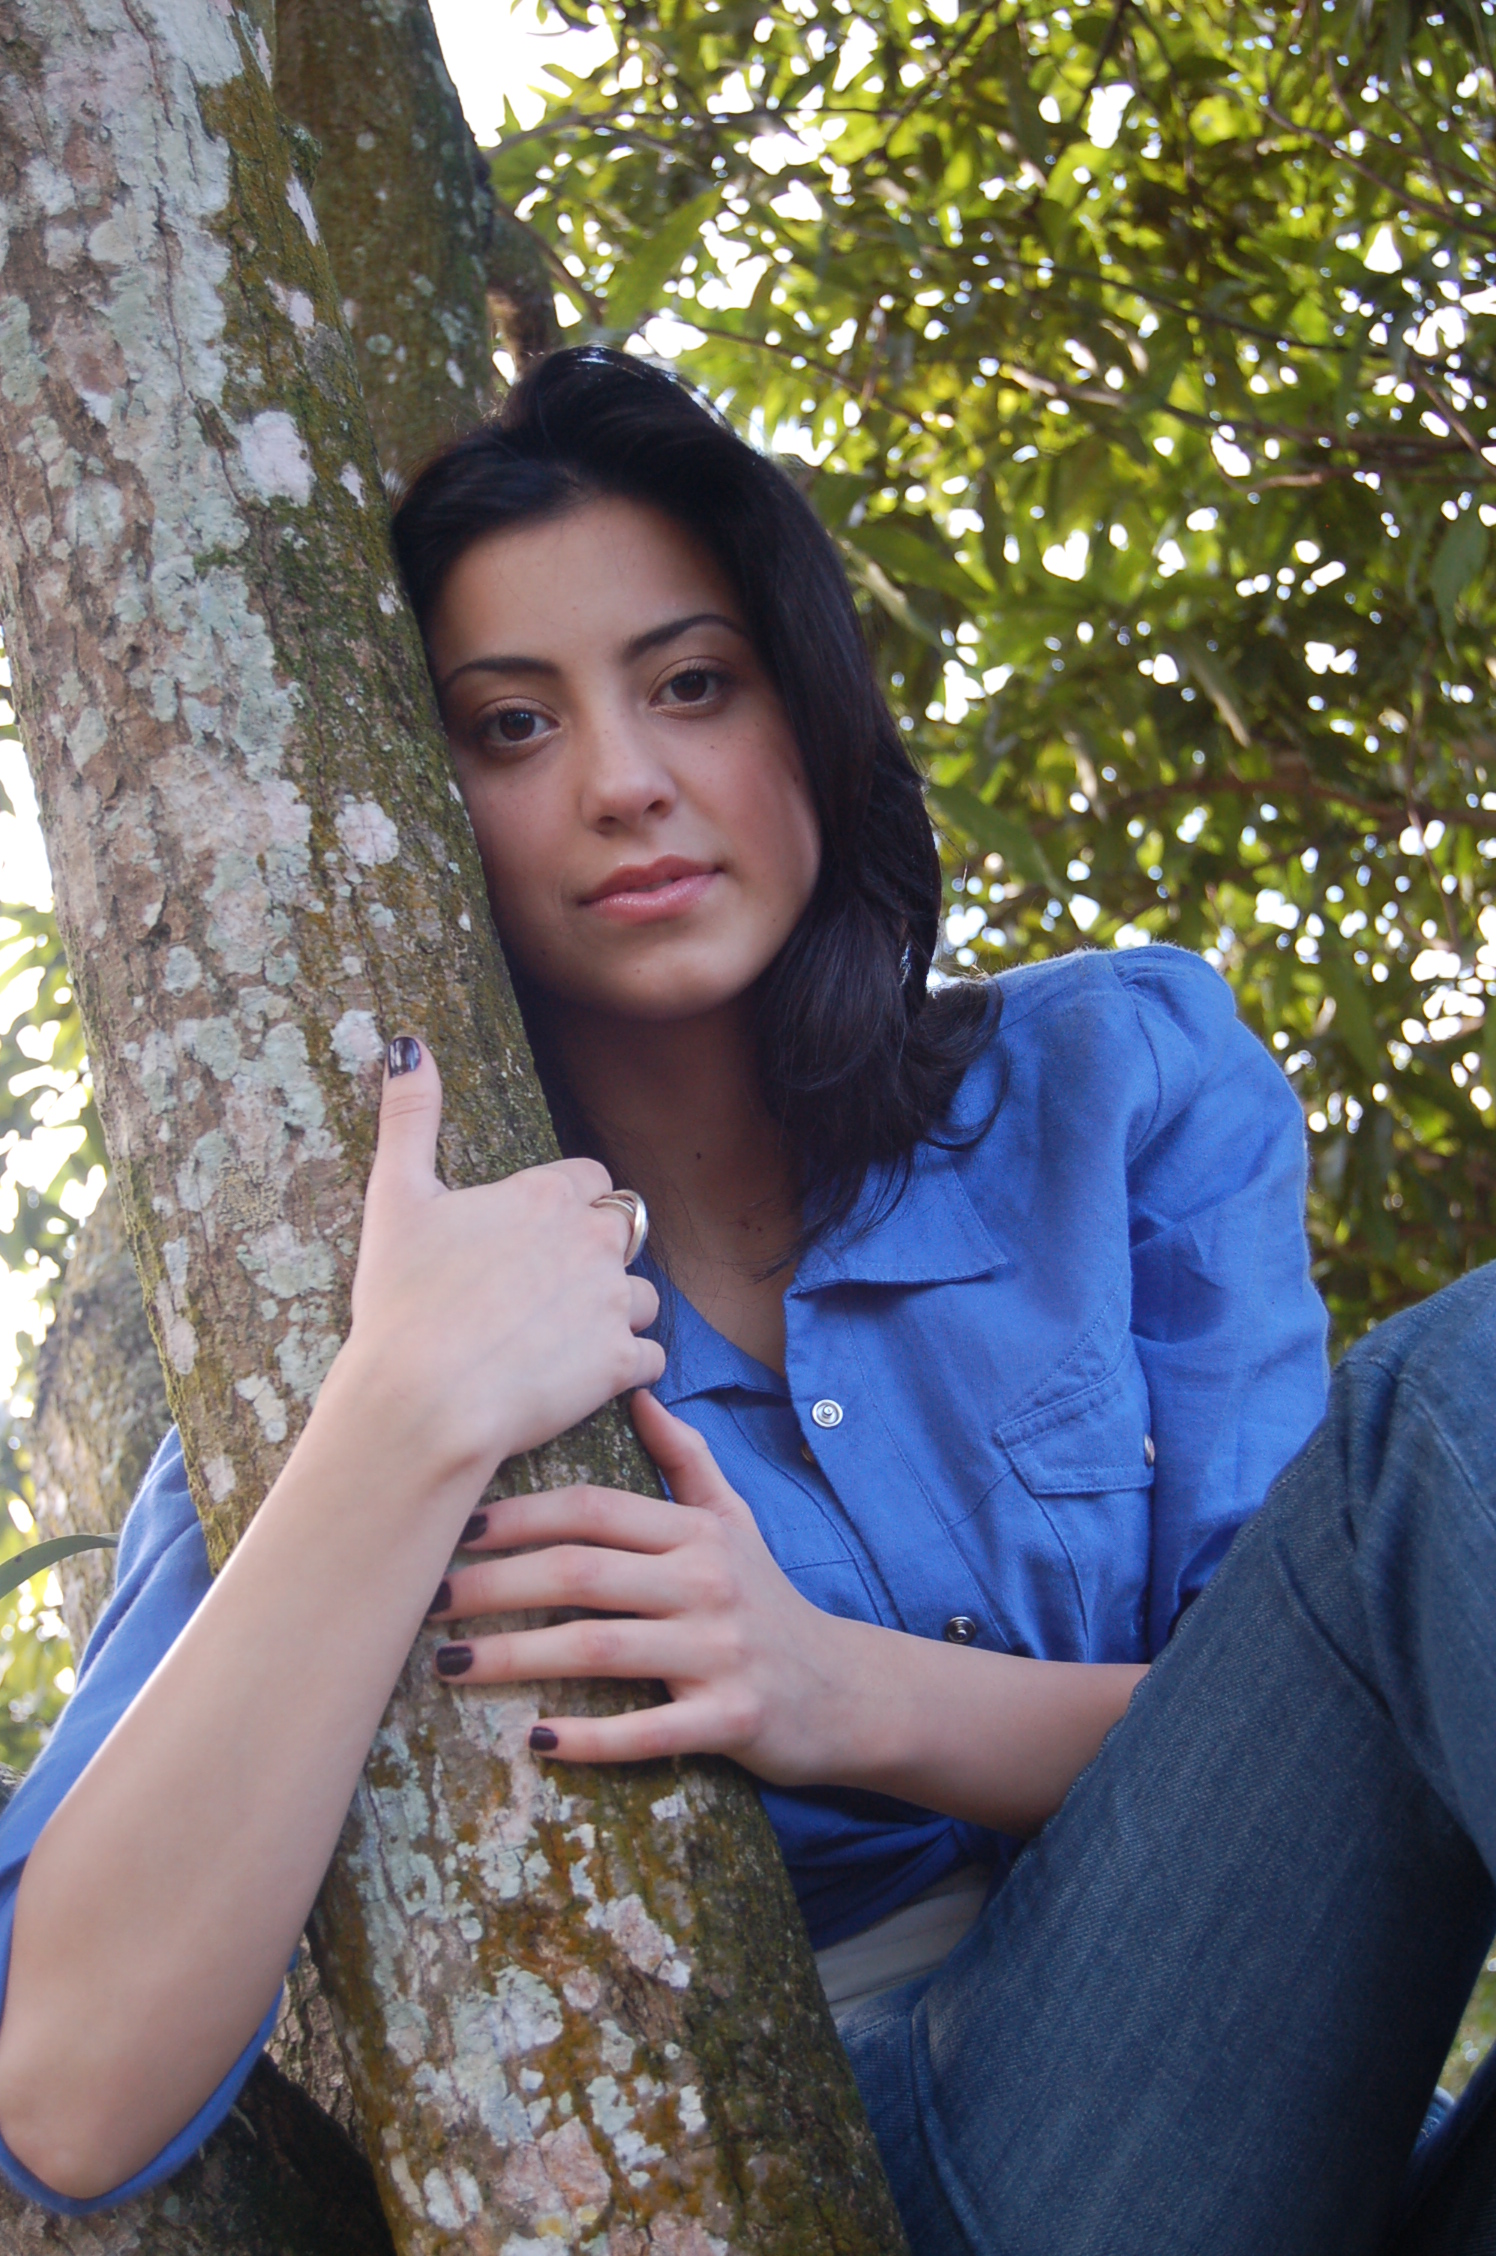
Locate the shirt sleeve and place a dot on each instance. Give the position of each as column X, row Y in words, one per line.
column 1228, row 1326
column 161, row 1578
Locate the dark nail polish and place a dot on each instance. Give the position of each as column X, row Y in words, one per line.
column 543, row 1740
column 453, row 1660
column 403, row 1055
column 475, row 1530
column 442, row 1600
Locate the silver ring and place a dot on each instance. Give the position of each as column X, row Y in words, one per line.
column 629, row 1203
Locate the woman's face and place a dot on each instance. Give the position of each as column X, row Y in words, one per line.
column 638, row 799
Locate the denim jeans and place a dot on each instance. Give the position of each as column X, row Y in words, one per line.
column 1207, row 2010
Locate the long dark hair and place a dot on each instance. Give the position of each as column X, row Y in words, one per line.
column 858, row 1059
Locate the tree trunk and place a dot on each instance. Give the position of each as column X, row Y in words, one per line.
column 575, row 2007
column 403, row 201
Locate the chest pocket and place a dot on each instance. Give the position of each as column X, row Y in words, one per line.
column 1086, row 1448
column 1088, row 1465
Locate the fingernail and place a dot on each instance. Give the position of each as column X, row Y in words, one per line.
column 402, row 1056
column 453, row 1660
column 441, row 1601
column 543, row 1740
column 476, row 1528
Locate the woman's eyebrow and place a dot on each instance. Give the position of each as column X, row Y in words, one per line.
column 653, row 639
column 496, row 665
column 658, row 636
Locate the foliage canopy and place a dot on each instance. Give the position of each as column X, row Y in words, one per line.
column 1142, row 359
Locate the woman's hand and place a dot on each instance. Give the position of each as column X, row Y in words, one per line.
column 488, row 1320
column 754, row 1670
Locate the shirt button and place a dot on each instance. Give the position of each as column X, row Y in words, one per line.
column 807, row 1453
column 960, row 1630
column 1149, row 1452
column 826, row 1413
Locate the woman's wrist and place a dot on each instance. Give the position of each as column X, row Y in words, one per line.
column 869, row 1710
column 996, row 1739
column 371, row 1410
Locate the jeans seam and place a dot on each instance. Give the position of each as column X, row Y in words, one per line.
column 938, row 2159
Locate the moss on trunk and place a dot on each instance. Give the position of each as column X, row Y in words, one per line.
column 405, row 208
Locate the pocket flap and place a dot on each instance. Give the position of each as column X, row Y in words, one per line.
column 1089, row 1446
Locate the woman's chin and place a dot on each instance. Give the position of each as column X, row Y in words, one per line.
column 655, row 1000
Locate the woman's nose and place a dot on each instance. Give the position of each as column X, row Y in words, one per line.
column 624, row 779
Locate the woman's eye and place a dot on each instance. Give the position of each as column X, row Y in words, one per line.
column 695, row 686
column 513, row 724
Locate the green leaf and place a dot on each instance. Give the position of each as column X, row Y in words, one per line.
column 1353, row 1019
column 893, row 599
column 995, row 833
column 1216, row 681
column 1029, row 128
column 1488, row 1050
column 35, row 1560
column 637, row 291
column 1457, row 562
column 909, row 556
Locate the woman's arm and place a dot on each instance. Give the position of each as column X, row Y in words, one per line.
column 165, row 1896
column 800, row 1697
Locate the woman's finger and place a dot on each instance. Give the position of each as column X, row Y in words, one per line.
column 644, row 1304
column 676, row 1727
column 649, row 1366
column 565, row 1574
column 410, row 1114
column 683, row 1457
column 612, row 1517
column 639, row 1649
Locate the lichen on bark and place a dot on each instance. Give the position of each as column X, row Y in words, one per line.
column 577, row 2006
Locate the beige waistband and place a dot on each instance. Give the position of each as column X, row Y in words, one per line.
column 910, row 1941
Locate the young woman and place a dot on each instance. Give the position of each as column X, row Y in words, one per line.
column 984, row 1323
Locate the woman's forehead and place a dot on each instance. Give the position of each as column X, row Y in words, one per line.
column 607, row 570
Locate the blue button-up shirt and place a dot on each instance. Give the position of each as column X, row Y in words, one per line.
column 1043, row 1389
column 1039, row 1390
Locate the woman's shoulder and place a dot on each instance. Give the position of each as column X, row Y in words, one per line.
column 1106, row 981
column 1133, row 1032
column 1095, row 1001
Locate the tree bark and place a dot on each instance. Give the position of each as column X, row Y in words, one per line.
column 101, row 1410
column 576, row 2008
column 403, row 201
column 521, row 289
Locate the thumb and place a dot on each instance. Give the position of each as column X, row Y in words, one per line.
column 683, row 1457
column 410, row 1113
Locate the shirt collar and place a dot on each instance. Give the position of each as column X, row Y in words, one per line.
column 933, row 1235
column 698, row 1359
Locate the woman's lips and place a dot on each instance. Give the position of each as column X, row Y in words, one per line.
column 649, row 896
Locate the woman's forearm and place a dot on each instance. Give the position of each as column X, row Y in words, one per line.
column 988, row 1737
column 164, row 1898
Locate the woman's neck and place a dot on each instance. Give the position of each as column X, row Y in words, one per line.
column 680, row 1118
